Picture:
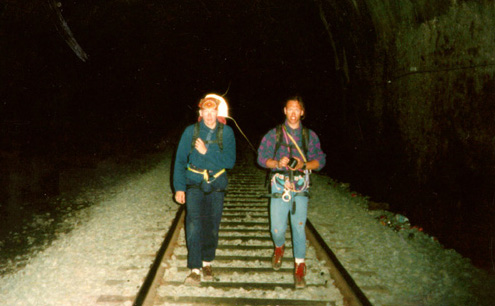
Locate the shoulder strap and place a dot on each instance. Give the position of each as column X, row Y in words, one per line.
column 195, row 135
column 278, row 139
column 219, row 139
column 220, row 135
column 305, row 140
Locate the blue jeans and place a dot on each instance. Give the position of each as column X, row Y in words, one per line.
column 279, row 213
column 203, row 215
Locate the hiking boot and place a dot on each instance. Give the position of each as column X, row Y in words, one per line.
column 193, row 279
column 207, row 273
column 299, row 273
column 277, row 257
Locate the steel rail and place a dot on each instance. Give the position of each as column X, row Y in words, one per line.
column 343, row 280
column 146, row 294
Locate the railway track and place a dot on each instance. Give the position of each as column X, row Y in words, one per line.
column 242, row 267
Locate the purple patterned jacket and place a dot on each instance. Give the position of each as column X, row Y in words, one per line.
column 267, row 146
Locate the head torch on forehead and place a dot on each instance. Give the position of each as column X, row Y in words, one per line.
column 208, row 103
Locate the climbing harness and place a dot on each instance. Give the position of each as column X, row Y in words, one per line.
column 205, row 173
column 298, row 187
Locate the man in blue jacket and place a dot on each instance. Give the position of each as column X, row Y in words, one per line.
column 206, row 149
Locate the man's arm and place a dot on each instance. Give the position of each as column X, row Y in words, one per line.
column 265, row 151
column 316, row 156
column 179, row 178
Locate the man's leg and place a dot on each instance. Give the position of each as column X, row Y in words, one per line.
column 211, row 224
column 298, row 224
column 279, row 211
column 194, row 203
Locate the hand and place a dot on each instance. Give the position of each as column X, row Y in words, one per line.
column 180, row 197
column 283, row 162
column 299, row 164
column 200, row 146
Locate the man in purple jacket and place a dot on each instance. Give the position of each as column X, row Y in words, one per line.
column 291, row 151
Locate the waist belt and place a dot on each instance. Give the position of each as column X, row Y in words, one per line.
column 286, row 172
column 279, row 195
column 206, row 173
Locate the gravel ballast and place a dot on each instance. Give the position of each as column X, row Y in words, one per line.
column 110, row 245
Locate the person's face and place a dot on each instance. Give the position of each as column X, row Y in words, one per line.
column 293, row 112
column 209, row 116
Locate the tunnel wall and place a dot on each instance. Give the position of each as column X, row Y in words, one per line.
column 421, row 109
column 437, row 81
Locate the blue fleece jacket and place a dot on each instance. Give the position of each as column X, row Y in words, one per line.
column 214, row 159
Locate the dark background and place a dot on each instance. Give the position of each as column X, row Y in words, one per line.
column 149, row 62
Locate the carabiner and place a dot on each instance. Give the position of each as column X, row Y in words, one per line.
column 286, row 195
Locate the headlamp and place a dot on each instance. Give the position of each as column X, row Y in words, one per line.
column 208, row 103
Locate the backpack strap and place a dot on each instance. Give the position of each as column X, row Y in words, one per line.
column 219, row 139
column 195, row 136
column 305, row 140
column 279, row 139
column 220, row 135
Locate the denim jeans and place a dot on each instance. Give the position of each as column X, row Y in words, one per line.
column 279, row 213
column 203, row 215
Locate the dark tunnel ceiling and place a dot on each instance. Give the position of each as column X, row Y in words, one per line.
column 141, row 53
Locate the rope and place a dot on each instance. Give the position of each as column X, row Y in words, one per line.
column 238, row 127
column 295, row 143
column 288, row 188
